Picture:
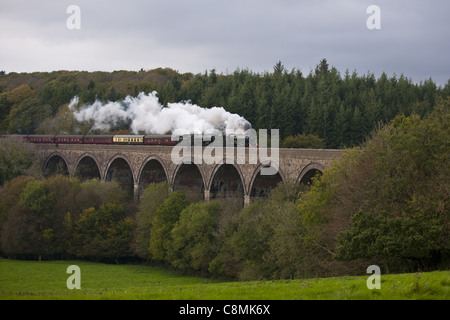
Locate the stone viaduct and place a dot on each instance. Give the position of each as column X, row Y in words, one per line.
column 136, row 166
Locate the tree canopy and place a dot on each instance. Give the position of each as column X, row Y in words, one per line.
column 389, row 200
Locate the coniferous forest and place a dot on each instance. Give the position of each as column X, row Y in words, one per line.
column 321, row 108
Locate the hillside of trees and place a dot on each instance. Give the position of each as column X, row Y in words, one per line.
column 384, row 203
column 320, row 109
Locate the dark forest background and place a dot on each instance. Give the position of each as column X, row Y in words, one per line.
column 323, row 108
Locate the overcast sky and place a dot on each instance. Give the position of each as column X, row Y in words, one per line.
column 198, row 35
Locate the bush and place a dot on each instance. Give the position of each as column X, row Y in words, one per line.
column 153, row 197
column 102, row 234
column 304, row 141
column 165, row 218
column 16, row 158
column 194, row 237
column 263, row 240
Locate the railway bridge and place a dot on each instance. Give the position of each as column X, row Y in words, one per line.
column 136, row 166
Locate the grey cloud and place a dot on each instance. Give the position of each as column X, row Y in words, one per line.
column 198, row 35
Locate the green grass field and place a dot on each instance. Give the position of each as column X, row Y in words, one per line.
column 47, row 280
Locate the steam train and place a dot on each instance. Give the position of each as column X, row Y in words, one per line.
column 152, row 140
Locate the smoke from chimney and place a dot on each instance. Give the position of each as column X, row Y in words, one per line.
column 145, row 113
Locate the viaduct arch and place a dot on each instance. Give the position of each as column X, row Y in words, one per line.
column 261, row 185
column 189, row 178
column 86, row 168
column 309, row 172
column 227, row 182
column 153, row 170
column 55, row 163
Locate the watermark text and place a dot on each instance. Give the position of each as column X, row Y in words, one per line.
column 74, row 281
column 73, row 22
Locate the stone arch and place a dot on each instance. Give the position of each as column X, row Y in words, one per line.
column 120, row 169
column 152, row 170
column 189, row 178
column 260, row 185
column 227, row 182
column 55, row 164
column 87, row 168
column 308, row 172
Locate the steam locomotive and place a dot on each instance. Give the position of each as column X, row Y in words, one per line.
column 152, row 140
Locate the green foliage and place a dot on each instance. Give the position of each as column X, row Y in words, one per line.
column 14, row 236
column 250, row 242
column 34, row 196
column 388, row 201
column 103, row 233
column 303, row 141
column 10, row 195
column 16, row 158
column 94, row 193
column 414, row 236
column 34, row 224
column 26, row 117
column 194, row 242
column 63, row 122
column 264, row 240
column 165, row 218
column 61, row 216
column 153, row 197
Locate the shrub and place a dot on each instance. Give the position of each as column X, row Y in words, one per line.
column 165, row 218
column 103, row 234
column 150, row 201
column 194, row 237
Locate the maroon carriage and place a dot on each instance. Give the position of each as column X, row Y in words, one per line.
column 69, row 139
column 41, row 138
column 159, row 140
column 98, row 139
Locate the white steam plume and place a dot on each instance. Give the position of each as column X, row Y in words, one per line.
column 145, row 113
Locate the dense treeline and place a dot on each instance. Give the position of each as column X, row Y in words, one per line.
column 385, row 203
column 16, row 158
column 60, row 217
column 340, row 110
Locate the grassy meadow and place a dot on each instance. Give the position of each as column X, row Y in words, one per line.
column 47, row 280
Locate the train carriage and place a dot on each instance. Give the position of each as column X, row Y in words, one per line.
column 41, row 138
column 70, row 139
column 159, row 140
column 98, row 139
column 149, row 140
column 128, row 139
